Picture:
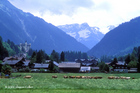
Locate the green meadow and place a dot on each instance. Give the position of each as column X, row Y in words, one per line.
column 44, row 83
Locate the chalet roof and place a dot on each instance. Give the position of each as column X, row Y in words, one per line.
column 85, row 68
column 55, row 63
column 37, row 65
column 11, row 62
column 120, row 63
column 69, row 65
column 87, row 64
column 68, row 62
column 12, row 58
column 26, row 63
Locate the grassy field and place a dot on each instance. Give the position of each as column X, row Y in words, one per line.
column 44, row 83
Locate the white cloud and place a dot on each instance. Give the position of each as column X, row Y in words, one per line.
column 100, row 13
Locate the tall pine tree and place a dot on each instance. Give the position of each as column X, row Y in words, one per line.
column 62, row 56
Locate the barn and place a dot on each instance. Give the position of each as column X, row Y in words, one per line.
column 71, row 67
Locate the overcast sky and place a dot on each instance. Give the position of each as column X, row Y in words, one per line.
column 100, row 13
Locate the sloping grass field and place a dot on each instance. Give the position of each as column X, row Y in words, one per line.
column 44, row 83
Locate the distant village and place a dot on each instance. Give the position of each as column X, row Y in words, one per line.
column 21, row 64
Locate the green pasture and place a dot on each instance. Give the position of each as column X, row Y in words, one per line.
column 44, row 83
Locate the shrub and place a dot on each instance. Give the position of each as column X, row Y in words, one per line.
column 27, row 69
column 6, row 69
column 42, row 70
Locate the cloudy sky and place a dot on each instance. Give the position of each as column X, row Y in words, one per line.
column 100, row 13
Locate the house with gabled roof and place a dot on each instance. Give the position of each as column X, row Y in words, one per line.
column 38, row 66
column 120, row 66
column 15, row 62
column 69, row 67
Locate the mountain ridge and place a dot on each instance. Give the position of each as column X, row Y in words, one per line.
column 119, row 41
column 19, row 27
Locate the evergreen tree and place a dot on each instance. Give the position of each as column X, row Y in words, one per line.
column 47, row 57
column 51, row 66
column 0, row 65
column 40, row 57
column 114, row 61
column 62, row 56
column 55, row 56
column 135, row 52
column 132, row 64
column 138, row 50
column 103, row 67
column 138, row 64
column 3, row 51
column 127, row 60
column 84, row 56
column 33, row 54
column 133, row 57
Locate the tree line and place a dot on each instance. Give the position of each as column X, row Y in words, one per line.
column 132, row 60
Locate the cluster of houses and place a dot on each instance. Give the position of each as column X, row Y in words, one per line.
column 79, row 65
column 82, row 65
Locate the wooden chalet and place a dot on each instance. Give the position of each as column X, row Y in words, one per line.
column 69, row 67
column 15, row 62
column 120, row 67
column 38, row 66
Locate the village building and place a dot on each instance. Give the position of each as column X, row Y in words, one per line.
column 69, row 67
column 132, row 70
column 15, row 62
column 87, row 62
column 25, row 46
column 119, row 67
column 39, row 66
column 55, row 63
column 85, row 69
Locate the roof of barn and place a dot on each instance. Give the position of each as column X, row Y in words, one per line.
column 69, row 65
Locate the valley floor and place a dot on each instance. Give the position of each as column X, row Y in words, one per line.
column 44, row 83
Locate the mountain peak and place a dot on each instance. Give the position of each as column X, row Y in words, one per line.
column 89, row 36
column 84, row 25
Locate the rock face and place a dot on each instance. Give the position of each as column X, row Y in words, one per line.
column 19, row 27
column 119, row 41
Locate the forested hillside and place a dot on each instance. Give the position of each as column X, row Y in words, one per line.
column 119, row 41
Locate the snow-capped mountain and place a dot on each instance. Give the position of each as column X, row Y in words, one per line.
column 83, row 33
column 111, row 27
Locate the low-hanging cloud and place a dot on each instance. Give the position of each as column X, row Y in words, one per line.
column 57, row 7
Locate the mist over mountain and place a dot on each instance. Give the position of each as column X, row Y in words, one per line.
column 119, row 41
column 19, row 27
column 89, row 36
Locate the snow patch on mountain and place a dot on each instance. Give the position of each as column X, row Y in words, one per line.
column 84, row 33
column 72, row 34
